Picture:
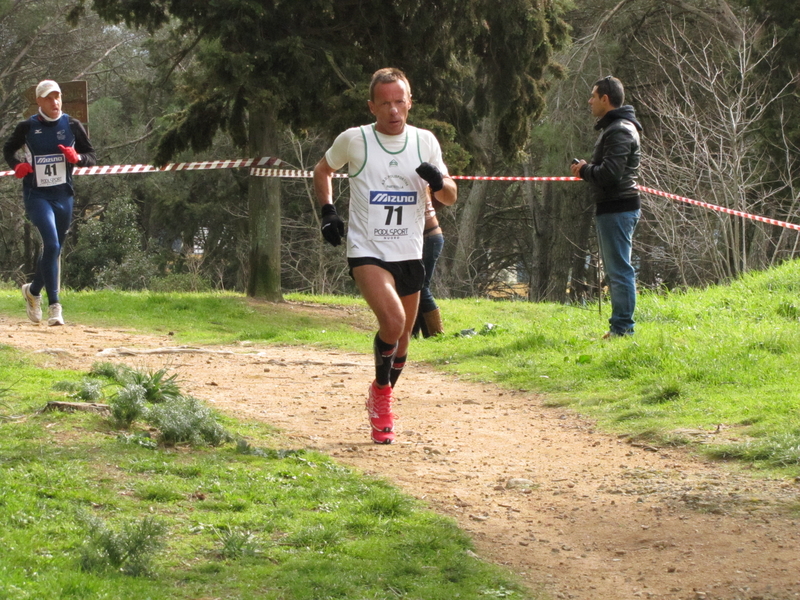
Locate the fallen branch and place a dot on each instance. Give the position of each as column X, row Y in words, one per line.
column 76, row 406
column 177, row 350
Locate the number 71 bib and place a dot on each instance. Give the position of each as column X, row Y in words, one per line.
column 389, row 214
column 50, row 169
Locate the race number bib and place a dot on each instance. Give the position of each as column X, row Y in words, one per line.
column 390, row 214
column 50, row 170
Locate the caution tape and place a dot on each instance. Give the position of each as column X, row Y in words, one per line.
column 729, row 211
column 259, row 172
column 307, row 174
column 494, row 178
column 267, row 166
column 262, row 162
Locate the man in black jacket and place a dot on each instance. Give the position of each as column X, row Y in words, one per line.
column 612, row 175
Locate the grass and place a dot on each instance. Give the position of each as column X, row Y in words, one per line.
column 88, row 511
column 724, row 359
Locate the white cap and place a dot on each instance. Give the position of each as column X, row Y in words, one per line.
column 46, row 87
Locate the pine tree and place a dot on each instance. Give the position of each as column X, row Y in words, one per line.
column 268, row 64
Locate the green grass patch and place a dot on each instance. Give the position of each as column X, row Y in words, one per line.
column 87, row 512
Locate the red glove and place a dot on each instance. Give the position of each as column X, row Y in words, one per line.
column 22, row 169
column 69, row 152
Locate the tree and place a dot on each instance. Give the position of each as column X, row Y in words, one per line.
column 710, row 141
column 709, row 84
column 262, row 66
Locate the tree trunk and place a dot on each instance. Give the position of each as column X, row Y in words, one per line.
column 468, row 217
column 264, row 200
column 561, row 224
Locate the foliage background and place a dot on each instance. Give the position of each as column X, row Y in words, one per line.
column 712, row 81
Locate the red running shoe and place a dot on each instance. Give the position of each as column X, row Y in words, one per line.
column 379, row 407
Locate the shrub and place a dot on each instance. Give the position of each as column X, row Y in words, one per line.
column 86, row 390
column 236, row 542
column 128, row 404
column 108, row 370
column 132, row 273
column 186, row 419
column 130, row 550
column 157, row 386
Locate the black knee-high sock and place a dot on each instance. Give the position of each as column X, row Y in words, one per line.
column 384, row 356
column 397, row 368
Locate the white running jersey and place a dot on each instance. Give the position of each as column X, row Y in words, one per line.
column 387, row 197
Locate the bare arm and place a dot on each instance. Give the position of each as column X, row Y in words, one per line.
column 449, row 193
column 323, row 186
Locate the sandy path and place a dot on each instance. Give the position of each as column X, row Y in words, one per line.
column 577, row 513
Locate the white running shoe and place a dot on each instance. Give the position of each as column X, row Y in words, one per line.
column 33, row 304
column 55, row 315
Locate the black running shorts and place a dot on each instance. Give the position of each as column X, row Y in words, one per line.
column 409, row 275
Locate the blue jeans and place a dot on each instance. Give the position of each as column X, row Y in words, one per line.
column 431, row 249
column 51, row 215
column 615, row 238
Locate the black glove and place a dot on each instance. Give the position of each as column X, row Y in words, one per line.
column 432, row 175
column 332, row 225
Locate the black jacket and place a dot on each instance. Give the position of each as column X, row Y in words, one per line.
column 614, row 167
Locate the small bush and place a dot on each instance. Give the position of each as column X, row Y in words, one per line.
column 108, row 370
column 236, row 543
column 157, row 386
column 134, row 272
column 130, row 550
column 86, row 390
column 186, row 419
column 127, row 405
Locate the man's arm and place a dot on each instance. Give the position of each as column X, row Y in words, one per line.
column 442, row 186
column 332, row 224
column 449, row 192
column 434, row 169
column 14, row 143
column 323, row 178
column 82, row 144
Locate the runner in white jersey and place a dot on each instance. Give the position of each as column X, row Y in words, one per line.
column 392, row 166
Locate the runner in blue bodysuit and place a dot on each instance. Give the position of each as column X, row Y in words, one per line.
column 54, row 143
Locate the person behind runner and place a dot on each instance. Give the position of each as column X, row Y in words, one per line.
column 391, row 165
column 612, row 175
column 429, row 318
column 53, row 144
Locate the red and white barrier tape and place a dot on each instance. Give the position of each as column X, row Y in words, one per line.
column 263, row 162
column 297, row 173
column 265, row 166
column 729, row 211
column 493, row 178
column 289, row 173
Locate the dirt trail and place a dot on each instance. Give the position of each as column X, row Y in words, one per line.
column 576, row 513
